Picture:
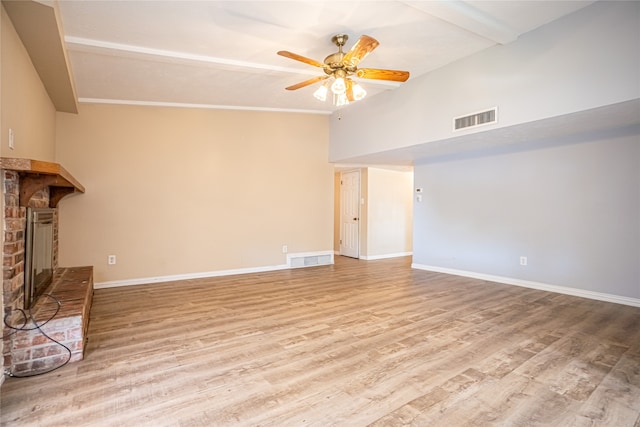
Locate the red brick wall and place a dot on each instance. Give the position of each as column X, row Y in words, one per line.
column 14, row 221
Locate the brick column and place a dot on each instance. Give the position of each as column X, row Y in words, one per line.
column 14, row 220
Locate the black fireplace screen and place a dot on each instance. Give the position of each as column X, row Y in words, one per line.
column 38, row 270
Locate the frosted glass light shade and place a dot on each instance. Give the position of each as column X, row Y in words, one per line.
column 321, row 93
column 358, row 92
column 339, row 87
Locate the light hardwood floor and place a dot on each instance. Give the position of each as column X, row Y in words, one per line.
column 354, row 344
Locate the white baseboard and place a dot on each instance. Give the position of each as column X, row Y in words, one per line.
column 635, row 302
column 204, row 275
column 396, row 255
column 171, row 278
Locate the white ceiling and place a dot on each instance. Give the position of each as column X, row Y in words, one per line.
column 222, row 54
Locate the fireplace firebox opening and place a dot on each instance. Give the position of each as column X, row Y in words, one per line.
column 38, row 253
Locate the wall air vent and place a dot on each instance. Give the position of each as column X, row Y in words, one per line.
column 476, row 119
column 309, row 259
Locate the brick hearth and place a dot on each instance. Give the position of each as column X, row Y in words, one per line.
column 31, row 351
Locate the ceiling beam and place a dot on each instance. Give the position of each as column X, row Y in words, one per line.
column 38, row 27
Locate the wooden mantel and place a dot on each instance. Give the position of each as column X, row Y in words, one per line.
column 35, row 175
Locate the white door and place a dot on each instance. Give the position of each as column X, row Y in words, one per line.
column 350, row 214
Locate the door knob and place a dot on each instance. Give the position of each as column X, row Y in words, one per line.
column 355, row 219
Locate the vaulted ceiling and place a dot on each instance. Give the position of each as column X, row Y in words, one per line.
column 222, row 54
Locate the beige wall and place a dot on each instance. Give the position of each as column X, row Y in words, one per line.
column 336, row 212
column 389, row 212
column 184, row 191
column 26, row 106
column 364, row 212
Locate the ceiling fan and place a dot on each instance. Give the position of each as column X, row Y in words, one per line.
column 339, row 67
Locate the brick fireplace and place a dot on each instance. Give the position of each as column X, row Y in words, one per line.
column 28, row 183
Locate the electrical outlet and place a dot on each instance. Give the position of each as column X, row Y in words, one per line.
column 285, row 249
column 523, row 260
column 111, row 259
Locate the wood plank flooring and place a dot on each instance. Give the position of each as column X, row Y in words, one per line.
column 354, row 344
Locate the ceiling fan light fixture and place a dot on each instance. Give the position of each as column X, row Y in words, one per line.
column 358, row 92
column 339, row 67
column 321, row 93
column 339, row 87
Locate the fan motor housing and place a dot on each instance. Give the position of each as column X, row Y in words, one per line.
column 334, row 60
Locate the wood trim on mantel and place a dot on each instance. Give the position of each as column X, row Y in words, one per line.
column 36, row 175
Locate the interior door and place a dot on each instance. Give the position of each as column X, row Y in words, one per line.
column 350, row 214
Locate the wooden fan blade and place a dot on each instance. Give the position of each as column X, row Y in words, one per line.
column 300, row 58
column 307, row 82
column 362, row 48
column 376, row 74
column 349, row 84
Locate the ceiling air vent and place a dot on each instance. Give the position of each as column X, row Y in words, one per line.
column 476, row 119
